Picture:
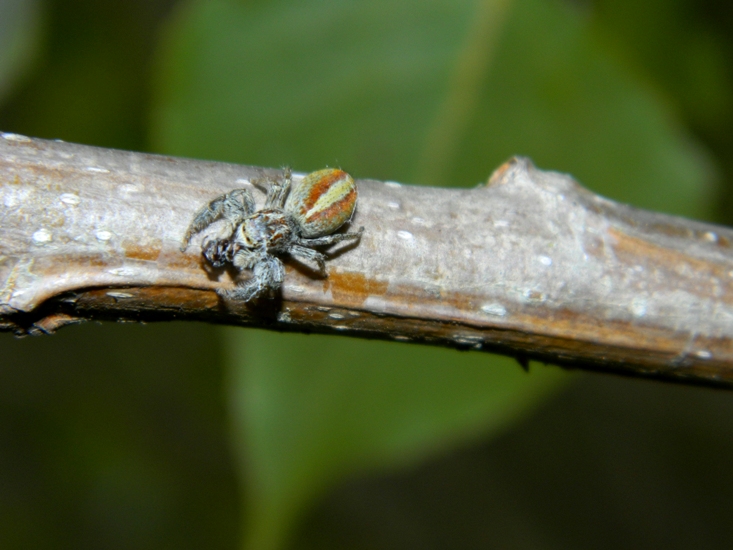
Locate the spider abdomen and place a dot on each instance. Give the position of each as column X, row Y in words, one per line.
column 322, row 202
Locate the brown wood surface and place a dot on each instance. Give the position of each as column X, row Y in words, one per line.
column 530, row 265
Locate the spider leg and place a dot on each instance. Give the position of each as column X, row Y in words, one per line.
column 268, row 275
column 278, row 190
column 233, row 207
column 330, row 239
column 245, row 258
column 309, row 254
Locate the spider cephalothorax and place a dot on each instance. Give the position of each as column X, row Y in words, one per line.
column 292, row 221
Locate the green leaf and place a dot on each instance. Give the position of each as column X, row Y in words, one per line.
column 685, row 52
column 556, row 95
column 310, row 410
column 19, row 35
column 431, row 91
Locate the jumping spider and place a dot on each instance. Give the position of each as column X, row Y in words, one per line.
column 292, row 221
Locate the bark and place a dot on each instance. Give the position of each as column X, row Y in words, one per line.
column 530, row 265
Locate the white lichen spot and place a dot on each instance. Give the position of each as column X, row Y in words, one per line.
column 11, row 200
column 119, row 295
column 468, row 340
column 638, row 307
column 96, row 170
column 336, row 316
column 710, row 236
column 103, row 235
column 129, row 188
column 545, row 260
column 42, row 236
column 405, row 235
column 497, row 310
column 392, row 184
column 704, row 354
column 534, row 296
column 297, row 289
column 16, row 137
column 501, row 223
column 323, row 309
column 70, row 198
column 393, row 205
column 123, row 272
column 242, row 181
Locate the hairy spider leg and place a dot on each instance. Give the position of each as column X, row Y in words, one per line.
column 268, row 275
column 278, row 190
column 246, row 258
column 309, row 254
column 329, row 239
column 233, row 207
column 303, row 247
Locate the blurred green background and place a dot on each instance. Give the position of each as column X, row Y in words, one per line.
column 191, row 436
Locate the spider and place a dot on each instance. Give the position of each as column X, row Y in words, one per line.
column 292, row 222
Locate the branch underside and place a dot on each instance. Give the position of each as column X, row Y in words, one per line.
column 530, row 265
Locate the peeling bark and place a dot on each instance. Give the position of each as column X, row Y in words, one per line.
column 530, row 264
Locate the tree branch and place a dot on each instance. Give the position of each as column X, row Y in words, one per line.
column 530, row 265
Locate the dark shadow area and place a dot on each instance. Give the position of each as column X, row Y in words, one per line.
column 115, row 436
column 611, row 463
